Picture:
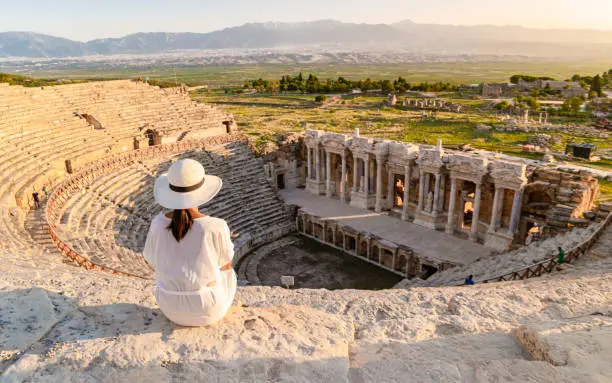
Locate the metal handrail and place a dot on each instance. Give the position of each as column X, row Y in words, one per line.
column 548, row 265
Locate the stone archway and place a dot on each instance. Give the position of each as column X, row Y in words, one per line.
column 153, row 136
column 329, row 237
column 363, row 249
column 401, row 262
column 375, row 255
column 538, row 192
column 339, row 238
column 308, row 229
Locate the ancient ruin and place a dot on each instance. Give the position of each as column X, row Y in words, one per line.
column 76, row 298
column 482, row 196
column 432, row 104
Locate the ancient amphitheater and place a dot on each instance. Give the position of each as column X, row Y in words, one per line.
column 76, row 299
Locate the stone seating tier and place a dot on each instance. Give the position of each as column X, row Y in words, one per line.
column 39, row 131
column 107, row 220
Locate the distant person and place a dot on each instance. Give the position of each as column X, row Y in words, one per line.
column 470, row 280
column 191, row 253
column 36, row 200
column 44, row 189
column 560, row 255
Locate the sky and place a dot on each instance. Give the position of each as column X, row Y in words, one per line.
column 89, row 19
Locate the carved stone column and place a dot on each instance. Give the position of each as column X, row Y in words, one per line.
column 477, row 195
column 309, row 163
column 390, row 189
column 355, row 174
column 366, row 186
column 328, row 191
column 426, row 191
column 421, row 190
column 436, row 194
column 343, row 180
column 442, row 194
column 450, row 223
column 379, row 164
column 313, row 168
column 516, row 211
column 495, row 208
column 318, row 164
column 407, row 175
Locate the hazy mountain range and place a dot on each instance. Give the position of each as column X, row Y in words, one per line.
column 425, row 38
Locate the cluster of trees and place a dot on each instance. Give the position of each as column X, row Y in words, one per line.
column 605, row 79
column 572, row 106
column 312, row 84
column 596, row 89
column 596, row 83
column 532, row 102
column 515, row 78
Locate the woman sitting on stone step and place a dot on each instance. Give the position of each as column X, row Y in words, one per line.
column 191, row 253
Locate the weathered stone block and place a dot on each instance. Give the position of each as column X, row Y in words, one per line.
column 584, row 343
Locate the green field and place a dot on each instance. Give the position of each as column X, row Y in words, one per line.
column 264, row 116
column 456, row 73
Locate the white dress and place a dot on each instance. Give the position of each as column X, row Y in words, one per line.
column 191, row 290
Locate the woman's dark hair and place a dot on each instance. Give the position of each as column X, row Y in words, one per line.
column 181, row 223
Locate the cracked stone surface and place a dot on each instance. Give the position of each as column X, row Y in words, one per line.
column 584, row 343
column 92, row 326
column 25, row 317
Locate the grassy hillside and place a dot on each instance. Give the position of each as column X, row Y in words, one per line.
column 264, row 116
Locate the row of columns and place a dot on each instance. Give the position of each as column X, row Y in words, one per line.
column 452, row 215
column 364, row 186
column 424, row 182
column 495, row 213
column 498, row 203
column 314, row 164
column 314, row 171
column 438, row 192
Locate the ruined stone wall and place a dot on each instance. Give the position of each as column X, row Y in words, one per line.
column 561, row 197
column 512, row 197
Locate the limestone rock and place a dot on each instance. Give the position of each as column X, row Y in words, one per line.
column 25, row 316
column 584, row 343
column 298, row 344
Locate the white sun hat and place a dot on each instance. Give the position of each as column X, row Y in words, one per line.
column 186, row 185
